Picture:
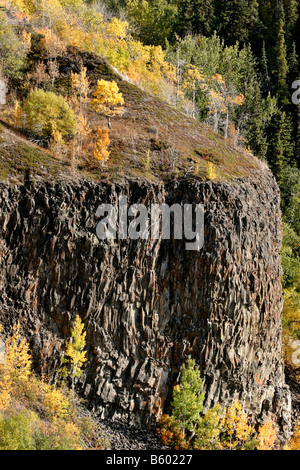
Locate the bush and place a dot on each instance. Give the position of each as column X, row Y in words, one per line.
column 17, row 431
column 45, row 112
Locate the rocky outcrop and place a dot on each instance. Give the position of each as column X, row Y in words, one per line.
column 148, row 305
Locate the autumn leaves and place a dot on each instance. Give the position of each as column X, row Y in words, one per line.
column 36, row 414
column 107, row 102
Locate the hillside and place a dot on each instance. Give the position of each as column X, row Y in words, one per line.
column 151, row 139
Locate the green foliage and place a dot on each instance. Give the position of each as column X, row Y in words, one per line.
column 189, row 427
column 153, row 21
column 19, row 431
column 12, row 52
column 45, row 112
column 187, row 399
column 290, row 257
column 208, row 432
column 290, row 194
column 195, row 17
column 236, row 19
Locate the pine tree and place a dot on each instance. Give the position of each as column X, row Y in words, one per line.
column 291, row 18
column 188, row 400
column 281, row 68
column 195, row 17
column 281, row 145
column 236, row 19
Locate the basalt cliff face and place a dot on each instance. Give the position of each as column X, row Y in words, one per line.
column 148, row 305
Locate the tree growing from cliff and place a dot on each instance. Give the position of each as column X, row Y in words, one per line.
column 75, row 353
column 107, row 100
column 188, row 400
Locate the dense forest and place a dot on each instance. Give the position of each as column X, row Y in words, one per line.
column 232, row 65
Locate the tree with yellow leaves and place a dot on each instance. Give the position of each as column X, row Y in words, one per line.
column 101, row 145
column 107, row 100
column 191, row 80
column 75, row 354
column 80, row 88
column 267, row 434
column 16, row 368
column 54, row 47
column 18, row 114
column 237, row 431
column 222, row 99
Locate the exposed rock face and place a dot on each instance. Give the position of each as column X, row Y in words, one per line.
column 148, row 305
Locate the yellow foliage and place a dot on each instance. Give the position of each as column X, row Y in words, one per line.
column 18, row 114
column 16, row 369
column 219, row 79
column 295, row 441
column 56, row 403
column 211, row 173
column 5, row 391
column 191, row 77
column 116, row 29
column 56, row 134
column 26, row 39
column 238, row 100
column 101, row 145
column 267, row 435
column 75, row 354
column 236, row 426
column 107, row 99
column 53, row 44
column 48, row 419
column 80, row 86
column 17, row 356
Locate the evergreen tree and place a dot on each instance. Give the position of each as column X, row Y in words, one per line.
column 188, row 400
column 265, row 75
column 291, row 18
column 281, row 145
column 281, row 66
column 236, row 19
column 195, row 17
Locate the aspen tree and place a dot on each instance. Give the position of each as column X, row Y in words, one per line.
column 107, row 100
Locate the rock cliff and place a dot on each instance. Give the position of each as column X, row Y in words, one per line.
column 148, row 305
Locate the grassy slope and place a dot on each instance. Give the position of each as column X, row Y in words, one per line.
column 150, row 140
